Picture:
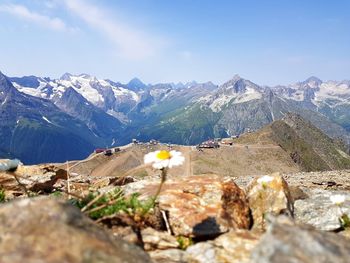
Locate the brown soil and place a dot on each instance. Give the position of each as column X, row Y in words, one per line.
column 237, row 160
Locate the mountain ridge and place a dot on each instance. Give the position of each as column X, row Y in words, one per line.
column 35, row 130
column 192, row 112
column 308, row 146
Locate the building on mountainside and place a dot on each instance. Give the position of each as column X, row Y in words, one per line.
column 116, row 149
column 153, row 142
column 108, row 152
column 227, row 141
column 100, row 150
column 169, row 145
column 208, row 144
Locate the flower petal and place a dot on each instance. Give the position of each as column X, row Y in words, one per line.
column 176, row 159
column 150, row 157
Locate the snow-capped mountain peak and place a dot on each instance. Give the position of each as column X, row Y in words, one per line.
column 104, row 94
column 312, row 82
column 315, row 91
column 235, row 91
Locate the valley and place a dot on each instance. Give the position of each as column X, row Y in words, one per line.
column 288, row 175
column 106, row 114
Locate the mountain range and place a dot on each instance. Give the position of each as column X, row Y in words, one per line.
column 44, row 119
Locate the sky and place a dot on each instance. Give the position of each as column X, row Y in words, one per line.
column 267, row 42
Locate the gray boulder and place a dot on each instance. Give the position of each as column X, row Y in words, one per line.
column 47, row 230
column 319, row 211
column 289, row 243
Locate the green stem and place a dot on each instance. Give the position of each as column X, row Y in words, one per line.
column 162, row 180
column 153, row 199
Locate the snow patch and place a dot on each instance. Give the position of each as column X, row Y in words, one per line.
column 30, row 91
column 83, row 86
column 235, row 98
column 332, row 94
column 46, row 119
column 104, row 83
column 119, row 91
column 4, row 101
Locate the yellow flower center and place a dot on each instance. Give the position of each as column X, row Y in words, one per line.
column 163, row 155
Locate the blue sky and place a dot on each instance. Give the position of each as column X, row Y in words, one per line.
column 268, row 42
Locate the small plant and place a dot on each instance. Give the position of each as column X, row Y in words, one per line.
column 130, row 210
column 184, row 242
column 57, row 194
column 2, row 196
column 339, row 200
column 137, row 207
column 344, row 221
column 99, row 205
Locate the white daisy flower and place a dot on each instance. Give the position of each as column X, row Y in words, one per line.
column 265, row 179
column 163, row 159
column 337, row 199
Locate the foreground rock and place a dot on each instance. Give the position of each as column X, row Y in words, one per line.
column 269, row 194
column 154, row 239
column 45, row 230
column 169, row 256
column 289, row 243
column 232, row 247
column 36, row 178
column 319, row 211
column 199, row 206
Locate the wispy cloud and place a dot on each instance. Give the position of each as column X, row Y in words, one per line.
column 23, row 12
column 50, row 4
column 130, row 42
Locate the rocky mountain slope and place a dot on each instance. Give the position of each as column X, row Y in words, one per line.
column 35, row 130
column 240, row 105
column 311, row 149
column 298, row 217
column 288, row 145
column 193, row 112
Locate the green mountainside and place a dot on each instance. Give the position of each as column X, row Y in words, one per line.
column 307, row 145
